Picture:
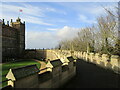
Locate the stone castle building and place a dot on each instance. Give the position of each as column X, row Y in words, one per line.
column 13, row 39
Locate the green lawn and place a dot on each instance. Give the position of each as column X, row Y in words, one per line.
column 7, row 66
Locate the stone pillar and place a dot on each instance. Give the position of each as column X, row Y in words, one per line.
column 91, row 57
column 72, row 53
column 68, row 53
column 75, row 53
column 97, row 58
column 86, row 56
column 115, row 61
column 105, row 59
column 81, row 54
column 78, row 54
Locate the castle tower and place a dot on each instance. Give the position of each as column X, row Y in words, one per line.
column 21, row 35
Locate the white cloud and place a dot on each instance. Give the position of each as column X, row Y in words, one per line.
column 85, row 19
column 49, row 9
column 35, row 20
column 52, row 29
column 67, row 32
column 36, row 39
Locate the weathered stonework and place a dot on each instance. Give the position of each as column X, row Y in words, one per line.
column 105, row 61
column 13, row 40
column 91, row 57
column 23, row 77
column 115, row 60
column 97, row 58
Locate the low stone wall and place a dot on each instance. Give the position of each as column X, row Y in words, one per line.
column 108, row 62
column 59, row 74
column 104, row 60
column 23, row 77
column 30, row 81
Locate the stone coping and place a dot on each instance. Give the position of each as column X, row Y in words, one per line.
column 20, row 72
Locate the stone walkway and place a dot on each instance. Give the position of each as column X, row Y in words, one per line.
column 91, row 76
column 42, row 67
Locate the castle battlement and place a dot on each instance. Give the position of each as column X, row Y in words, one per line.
column 11, row 23
column 13, row 39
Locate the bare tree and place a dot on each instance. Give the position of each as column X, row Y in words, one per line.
column 102, row 37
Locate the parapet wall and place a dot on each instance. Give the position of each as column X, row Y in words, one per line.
column 40, row 54
column 109, row 62
column 103, row 60
column 56, row 75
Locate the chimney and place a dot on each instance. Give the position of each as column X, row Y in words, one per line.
column 18, row 20
column 7, row 23
column 11, row 23
column 3, row 22
column 11, row 20
column 24, row 22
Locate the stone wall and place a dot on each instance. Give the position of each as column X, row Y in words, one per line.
column 40, row 54
column 45, row 80
column 9, row 42
column 30, row 81
column 13, row 40
column 103, row 60
column 55, row 78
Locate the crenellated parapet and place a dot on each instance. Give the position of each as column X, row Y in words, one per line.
column 103, row 60
column 106, row 61
column 11, row 23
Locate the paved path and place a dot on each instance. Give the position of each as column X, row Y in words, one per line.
column 42, row 67
column 90, row 76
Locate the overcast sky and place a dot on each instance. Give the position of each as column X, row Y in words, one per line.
column 49, row 22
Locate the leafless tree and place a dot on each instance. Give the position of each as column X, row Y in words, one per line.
column 102, row 37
